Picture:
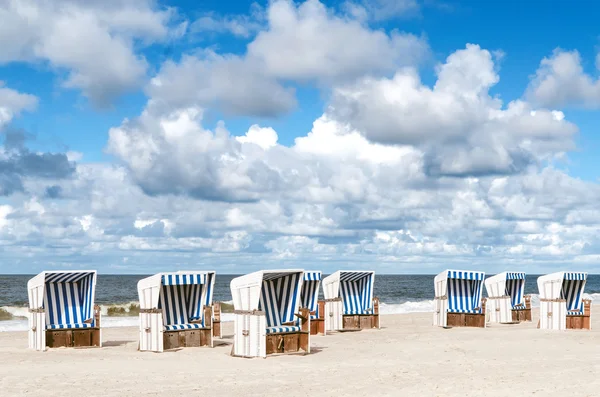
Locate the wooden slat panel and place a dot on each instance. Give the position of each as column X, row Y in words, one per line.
column 290, row 343
column 82, row 338
column 171, row 340
column 192, row 338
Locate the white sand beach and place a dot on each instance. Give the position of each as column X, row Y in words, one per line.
column 407, row 357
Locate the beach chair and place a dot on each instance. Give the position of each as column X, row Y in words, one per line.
column 349, row 303
column 457, row 300
column 309, row 298
column 506, row 302
column 562, row 305
column 62, row 311
column 177, row 310
column 267, row 314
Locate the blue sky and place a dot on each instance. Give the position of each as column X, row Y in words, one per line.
column 337, row 146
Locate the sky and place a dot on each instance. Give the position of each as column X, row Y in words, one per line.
column 403, row 136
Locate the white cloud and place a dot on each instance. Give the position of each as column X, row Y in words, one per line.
column 229, row 83
column 263, row 137
column 92, row 41
column 12, row 103
column 461, row 129
column 303, row 43
column 299, row 44
column 561, row 81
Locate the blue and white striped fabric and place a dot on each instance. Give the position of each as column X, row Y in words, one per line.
column 464, row 291
column 572, row 291
column 176, row 327
column 181, row 300
column 356, row 289
column 515, row 288
column 279, row 297
column 310, row 292
column 69, row 300
column 182, row 279
column 281, row 330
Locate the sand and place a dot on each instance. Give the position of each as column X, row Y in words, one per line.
column 407, row 357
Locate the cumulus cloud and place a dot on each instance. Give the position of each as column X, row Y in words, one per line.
column 300, row 44
column 18, row 162
column 230, row 83
column 303, row 43
column 561, row 81
column 12, row 103
column 92, row 41
column 461, row 129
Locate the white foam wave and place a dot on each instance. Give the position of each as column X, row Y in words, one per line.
column 406, row 307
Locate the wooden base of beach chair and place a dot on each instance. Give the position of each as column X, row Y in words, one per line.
column 317, row 326
column 466, row 320
column 583, row 321
column 88, row 337
column 186, row 338
column 521, row 315
column 363, row 321
column 293, row 342
column 287, row 343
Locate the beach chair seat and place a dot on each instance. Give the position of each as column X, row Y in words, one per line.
column 465, row 311
column 70, row 326
column 177, row 327
column 283, row 329
column 574, row 313
column 522, row 306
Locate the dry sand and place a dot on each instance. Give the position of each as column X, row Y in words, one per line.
column 407, row 357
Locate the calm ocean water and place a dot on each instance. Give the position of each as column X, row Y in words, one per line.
column 398, row 294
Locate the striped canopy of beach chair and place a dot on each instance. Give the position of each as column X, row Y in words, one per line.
column 310, row 292
column 354, row 287
column 515, row 288
column 280, row 300
column 182, row 299
column 564, row 285
column 510, row 284
column 69, row 299
column 463, row 290
column 572, row 290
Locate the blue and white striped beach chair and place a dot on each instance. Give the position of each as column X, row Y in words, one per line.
column 171, row 303
column 458, row 298
column 310, row 299
column 506, row 300
column 562, row 305
column 63, row 302
column 349, row 300
column 268, row 314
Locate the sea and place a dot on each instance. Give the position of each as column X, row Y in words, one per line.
column 117, row 296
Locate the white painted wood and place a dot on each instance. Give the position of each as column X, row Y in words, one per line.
column 498, row 310
column 333, row 315
column 440, row 311
column 151, row 332
column 37, row 331
column 250, row 336
column 553, row 314
column 495, row 286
